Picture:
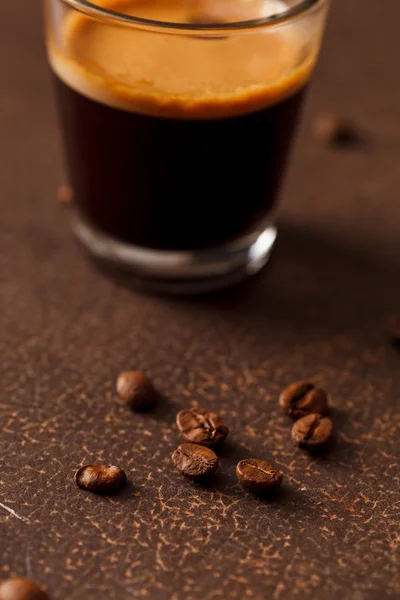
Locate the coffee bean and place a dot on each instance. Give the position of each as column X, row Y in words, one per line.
column 258, row 475
column 194, row 461
column 19, row 588
column 393, row 328
column 65, row 195
column 201, row 426
column 100, row 478
column 136, row 390
column 336, row 131
column 302, row 398
column 312, row 431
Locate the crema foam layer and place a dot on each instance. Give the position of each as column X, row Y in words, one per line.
column 181, row 76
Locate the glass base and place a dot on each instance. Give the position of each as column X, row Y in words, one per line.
column 180, row 272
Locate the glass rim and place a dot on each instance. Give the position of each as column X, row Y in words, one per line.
column 114, row 17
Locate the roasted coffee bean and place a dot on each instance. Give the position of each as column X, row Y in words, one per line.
column 302, row 398
column 201, row 426
column 194, row 461
column 336, row 131
column 312, row 431
column 19, row 588
column 65, row 195
column 258, row 476
column 393, row 328
column 136, row 390
column 100, row 478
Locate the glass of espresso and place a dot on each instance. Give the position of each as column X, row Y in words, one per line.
column 177, row 118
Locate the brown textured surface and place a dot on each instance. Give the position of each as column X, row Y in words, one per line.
column 317, row 311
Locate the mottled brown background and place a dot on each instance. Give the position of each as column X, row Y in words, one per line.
column 66, row 331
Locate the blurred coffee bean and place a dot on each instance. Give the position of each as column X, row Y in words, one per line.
column 100, row 479
column 302, row 398
column 65, row 195
column 393, row 328
column 335, row 131
column 312, row 431
column 19, row 588
column 136, row 390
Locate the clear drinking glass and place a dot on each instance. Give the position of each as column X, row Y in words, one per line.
column 177, row 118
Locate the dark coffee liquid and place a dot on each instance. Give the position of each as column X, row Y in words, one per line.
column 175, row 184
